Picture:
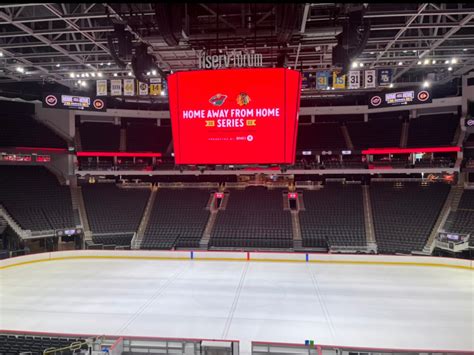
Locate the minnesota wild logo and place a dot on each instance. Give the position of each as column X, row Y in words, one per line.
column 243, row 99
column 218, row 99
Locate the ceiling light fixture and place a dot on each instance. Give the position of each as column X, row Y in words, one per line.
column 426, row 84
column 71, row 75
column 426, row 61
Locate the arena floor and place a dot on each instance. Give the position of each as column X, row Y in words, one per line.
column 408, row 307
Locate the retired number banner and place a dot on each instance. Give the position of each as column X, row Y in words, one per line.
column 369, row 79
column 354, row 79
column 116, row 87
column 101, row 86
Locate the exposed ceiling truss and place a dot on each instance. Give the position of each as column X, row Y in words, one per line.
column 50, row 41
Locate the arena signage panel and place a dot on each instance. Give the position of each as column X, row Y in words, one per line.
column 74, row 102
column 398, row 98
column 235, row 116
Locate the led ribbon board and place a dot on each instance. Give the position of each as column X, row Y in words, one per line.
column 235, row 116
column 398, row 98
column 73, row 102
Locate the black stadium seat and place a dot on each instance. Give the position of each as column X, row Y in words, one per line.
column 253, row 218
column 35, row 199
column 333, row 216
column 178, row 219
column 404, row 214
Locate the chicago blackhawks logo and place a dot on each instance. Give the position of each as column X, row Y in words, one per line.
column 243, row 99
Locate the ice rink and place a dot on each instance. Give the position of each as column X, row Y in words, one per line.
column 411, row 307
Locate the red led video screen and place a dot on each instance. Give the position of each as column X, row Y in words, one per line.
column 235, row 116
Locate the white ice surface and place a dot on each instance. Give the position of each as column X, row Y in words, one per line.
column 355, row 305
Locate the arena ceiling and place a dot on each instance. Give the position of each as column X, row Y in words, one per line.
column 47, row 42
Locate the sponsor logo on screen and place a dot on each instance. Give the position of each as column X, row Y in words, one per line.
column 218, row 99
column 376, row 100
column 423, row 96
column 470, row 123
column 98, row 104
column 243, row 99
column 51, row 100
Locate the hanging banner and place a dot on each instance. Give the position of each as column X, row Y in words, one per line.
column 116, row 87
column 101, row 86
column 369, row 79
column 354, row 79
column 155, row 87
column 129, row 87
column 385, row 77
column 142, row 88
column 306, row 81
column 322, row 80
column 338, row 80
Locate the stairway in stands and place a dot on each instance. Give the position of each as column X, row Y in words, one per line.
column 79, row 207
column 450, row 205
column 368, row 219
column 138, row 237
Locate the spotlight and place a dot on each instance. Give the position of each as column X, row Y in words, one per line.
column 405, row 51
column 162, row 92
column 354, row 65
column 450, row 68
column 426, row 61
column 1, row 54
column 20, row 69
column 371, row 53
column 419, row 62
column 464, row 49
column 153, row 72
column 84, row 84
column 446, row 62
column 391, row 85
column 93, row 74
column 361, row 65
column 58, row 65
column 79, row 82
column 413, row 51
column 433, row 62
column 99, row 75
column 115, row 74
column 147, row 73
column 87, row 75
column 101, row 64
column 400, row 63
column 108, row 64
column 78, row 76
column 426, row 84
column 454, row 61
column 71, row 75
column 82, row 75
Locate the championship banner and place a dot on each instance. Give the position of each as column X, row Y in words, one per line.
column 308, row 81
column 129, row 87
column 142, row 88
column 338, row 80
column 155, row 87
column 116, row 87
column 322, row 80
column 101, row 86
column 384, row 77
column 369, row 79
column 354, row 79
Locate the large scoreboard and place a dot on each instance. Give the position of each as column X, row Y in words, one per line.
column 73, row 102
column 235, row 116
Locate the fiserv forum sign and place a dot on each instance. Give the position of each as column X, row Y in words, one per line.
column 234, row 59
